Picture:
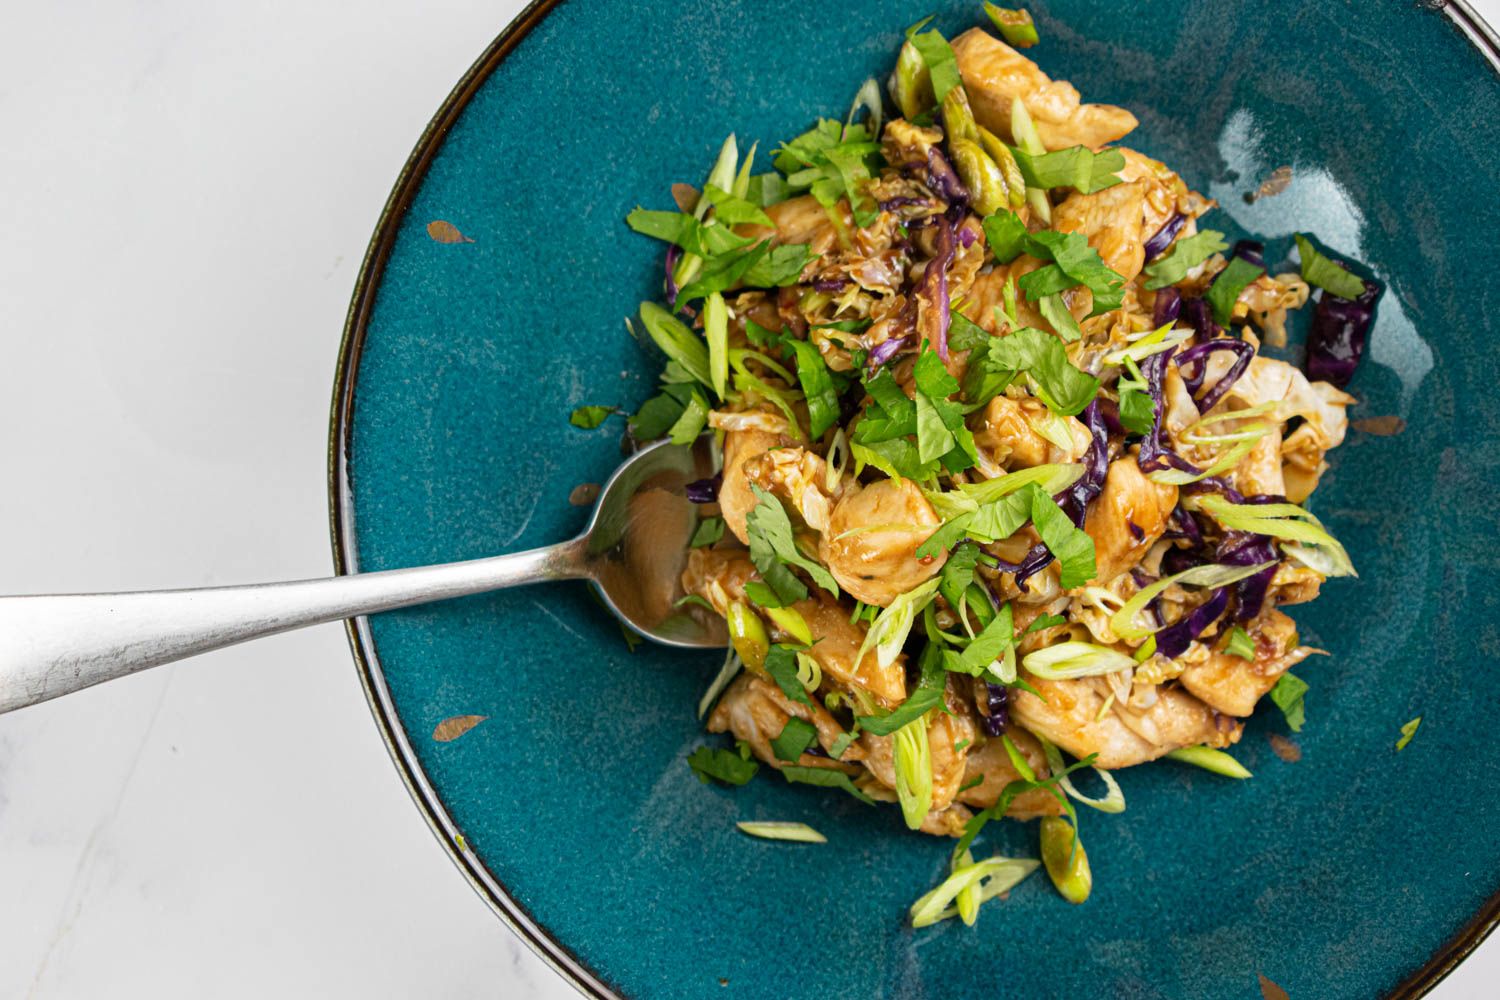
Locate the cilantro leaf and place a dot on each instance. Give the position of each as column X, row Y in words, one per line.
column 958, row 573
column 1137, row 411
column 692, row 421
column 1326, row 273
column 706, row 239
column 589, row 417
column 927, row 696
column 1069, row 544
column 781, row 665
column 1058, row 316
column 1187, row 253
column 1006, row 235
column 1074, row 262
column 1228, row 285
column 825, row 777
column 781, row 266
column 709, row 531
column 990, row 644
column 817, row 386
column 1287, row 695
column 841, row 744
column 1064, row 388
column 657, row 414
column 722, row 765
column 768, row 520
column 795, row 737
column 934, row 440
column 1077, row 167
column 896, row 457
column 965, row 335
column 732, row 211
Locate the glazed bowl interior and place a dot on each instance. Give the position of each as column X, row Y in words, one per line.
column 1354, row 872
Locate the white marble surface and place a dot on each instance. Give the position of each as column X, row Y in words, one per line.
column 186, row 190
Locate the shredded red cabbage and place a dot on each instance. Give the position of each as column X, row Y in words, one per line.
column 1192, row 364
column 704, row 490
column 1164, row 237
column 885, row 351
column 1167, row 308
column 1038, row 557
column 935, row 287
column 1155, row 455
column 674, row 253
column 1340, row 328
column 1197, row 315
column 1250, row 250
column 996, row 714
column 1173, row 640
column 830, row 284
column 943, row 181
column 1075, row 499
column 1244, row 548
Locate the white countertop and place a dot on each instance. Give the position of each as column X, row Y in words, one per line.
column 187, row 191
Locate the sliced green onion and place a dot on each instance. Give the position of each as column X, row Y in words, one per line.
column 1240, row 644
column 867, row 97
column 1067, row 862
column 1192, row 433
column 837, row 461
column 721, row 176
column 1210, row 759
column 727, row 672
column 1228, row 460
column 1056, row 313
column 967, row 901
column 1017, row 761
column 1026, row 137
column 677, row 341
column 1285, row 521
column 809, row 672
column 1015, row 25
column 1113, row 800
column 913, row 765
column 791, row 622
column 775, row 830
column 1407, row 732
column 747, row 634
column 1051, row 478
column 1163, row 338
column 742, row 179
column 1147, row 650
column 994, row 876
column 888, row 632
column 1068, row 660
column 910, row 83
column 1123, row 623
column 716, row 332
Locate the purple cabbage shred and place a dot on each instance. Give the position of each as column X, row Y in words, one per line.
column 943, row 181
column 1173, row 640
column 1340, row 328
column 1167, row 308
column 704, row 490
column 1158, row 244
column 1192, row 364
column 886, row 350
column 996, row 715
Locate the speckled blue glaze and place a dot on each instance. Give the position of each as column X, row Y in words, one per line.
column 1338, row 876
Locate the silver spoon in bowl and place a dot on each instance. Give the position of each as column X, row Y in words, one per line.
column 632, row 552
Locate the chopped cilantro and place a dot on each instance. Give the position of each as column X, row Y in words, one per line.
column 1407, row 732
column 1074, row 262
column 1228, row 285
column 1006, row 235
column 1077, row 167
column 691, row 422
column 771, row 543
column 732, row 211
column 1069, row 544
column 781, row 665
column 706, row 239
column 1137, row 406
column 589, row 417
column 1056, row 313
column 927, row 696
column 960, row 744
column 841, row 744
column 709, row 531
column 1327, row 274
column 723, row 765
column 817, row 386
column 958, row 573
column 1287, row 695
column 795, row 737
column 990, row 644
column 1040, row 356
column 1240, row 644
column 1045, row 621
column 825, row 777
column 1187, row 253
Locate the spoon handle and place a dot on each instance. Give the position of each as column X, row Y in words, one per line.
column 57, row 644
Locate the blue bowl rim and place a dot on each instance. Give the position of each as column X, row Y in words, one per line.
column 346, row 558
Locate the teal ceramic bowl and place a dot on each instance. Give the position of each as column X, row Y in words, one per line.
column 1355, row 872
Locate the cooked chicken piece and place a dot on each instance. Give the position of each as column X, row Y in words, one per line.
column 943, row 732
column 1294, row 584
column 994, row 74
column 755, row 710
column 871, row 543
column 1006, row 432
column 991, row 763
column 798, row 476
column 1069, row 717
column 1165, row 195
column 1129, row 498
column 800, row 220
column 1233, row 685
column 735, row 498
column 949, row 822
column 1113, row 221
column 719, row 577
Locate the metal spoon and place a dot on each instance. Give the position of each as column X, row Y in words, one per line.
column 632, row 551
